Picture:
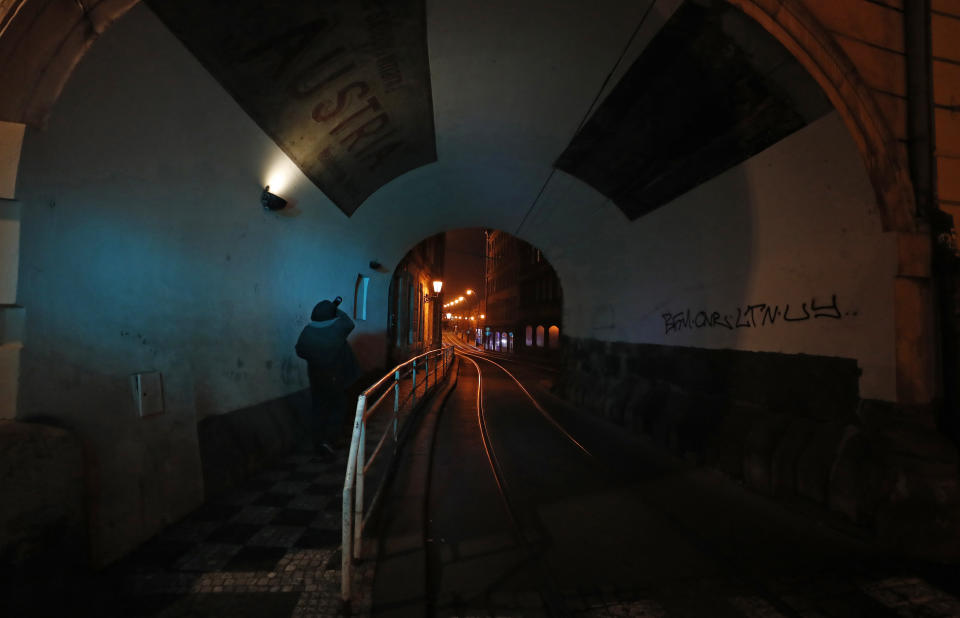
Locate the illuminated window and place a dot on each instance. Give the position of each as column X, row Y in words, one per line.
column 539, row 336
column 554, row 337
column 529, row 338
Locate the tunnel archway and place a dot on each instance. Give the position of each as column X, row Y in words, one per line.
column 495, row 286
column 913, row 330
column 40, row 78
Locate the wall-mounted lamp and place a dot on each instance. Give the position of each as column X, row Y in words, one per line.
column 437, row 286
column 270, row 201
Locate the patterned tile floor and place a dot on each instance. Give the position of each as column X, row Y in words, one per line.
column 270, row 548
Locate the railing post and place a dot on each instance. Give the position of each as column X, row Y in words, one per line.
column 346, row 521
column 413, row 394
column 426, row 374
column 358, row 496
column 396, row 402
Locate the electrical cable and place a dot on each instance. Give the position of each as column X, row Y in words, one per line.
column 593, row 103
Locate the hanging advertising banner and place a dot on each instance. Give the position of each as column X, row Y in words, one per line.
column 343, row 88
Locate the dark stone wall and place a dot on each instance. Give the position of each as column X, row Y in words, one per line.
column 786, row 425
column 42, row 519
column 237, row 445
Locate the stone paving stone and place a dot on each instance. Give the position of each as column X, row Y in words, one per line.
column 233, row 533
column 274, row 476
column 316, row 538
column 309, row 502
column 290, row 487
column 324, row 488
column 214, row 512
column 273, row 499
column 189, row 531
column 267, row 549
column 254, row 514
column 639, row 609
column 294, row 517
column 207, row 557
column 276, row 536
column 239, row 605
column 754, row 607
column 913, row 597
column 239, row 497
column 255, row 559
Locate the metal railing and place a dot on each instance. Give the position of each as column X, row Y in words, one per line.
column 401, row 381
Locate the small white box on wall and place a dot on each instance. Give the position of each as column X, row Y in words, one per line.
column 360, row 298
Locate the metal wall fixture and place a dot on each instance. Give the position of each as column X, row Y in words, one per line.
column 271, row 201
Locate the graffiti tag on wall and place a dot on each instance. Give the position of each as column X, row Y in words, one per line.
column 755, row 316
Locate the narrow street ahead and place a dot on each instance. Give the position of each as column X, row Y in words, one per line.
column 534, row 509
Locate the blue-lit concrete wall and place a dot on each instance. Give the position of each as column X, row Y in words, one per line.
column 144, row 247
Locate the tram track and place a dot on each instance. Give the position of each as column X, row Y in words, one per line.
column 527, row 531
column 528, row 537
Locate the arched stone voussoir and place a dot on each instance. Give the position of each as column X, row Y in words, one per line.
column 41, row 42
column 791, row 23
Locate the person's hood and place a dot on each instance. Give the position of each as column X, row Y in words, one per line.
column 324, row 310
column 344, row 325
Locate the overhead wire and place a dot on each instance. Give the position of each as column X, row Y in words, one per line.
column 590, row 109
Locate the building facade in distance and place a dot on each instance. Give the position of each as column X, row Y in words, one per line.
column 414, row 321
column 524, row 300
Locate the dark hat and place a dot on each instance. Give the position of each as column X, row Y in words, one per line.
column 325, row 310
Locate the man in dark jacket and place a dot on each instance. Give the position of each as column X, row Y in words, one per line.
column 331, row 367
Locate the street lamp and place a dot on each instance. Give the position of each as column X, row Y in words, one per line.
column 437, row 286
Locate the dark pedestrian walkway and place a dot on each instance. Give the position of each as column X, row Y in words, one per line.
column 267, row 549
column 270, row 548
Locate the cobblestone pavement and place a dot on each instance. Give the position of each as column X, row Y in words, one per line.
column 270, row 548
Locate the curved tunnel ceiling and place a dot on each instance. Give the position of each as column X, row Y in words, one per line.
column 344, row 88
column 711, row 90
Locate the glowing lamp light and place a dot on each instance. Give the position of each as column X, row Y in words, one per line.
column 460, row 299
column 437, row 286
column 473, row 317
column 448, row 315
column 469, row 292
column 483, row 316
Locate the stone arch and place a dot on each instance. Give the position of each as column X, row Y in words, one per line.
column 792, row 24
column 41, row 43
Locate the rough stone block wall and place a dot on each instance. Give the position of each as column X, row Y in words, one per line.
column 42, row 521
column 237, row 445
column 786, row 425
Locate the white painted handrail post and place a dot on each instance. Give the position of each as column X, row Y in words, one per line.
column 413, row 393
column 346, row 521
column 396, row 403
column 358, row 496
